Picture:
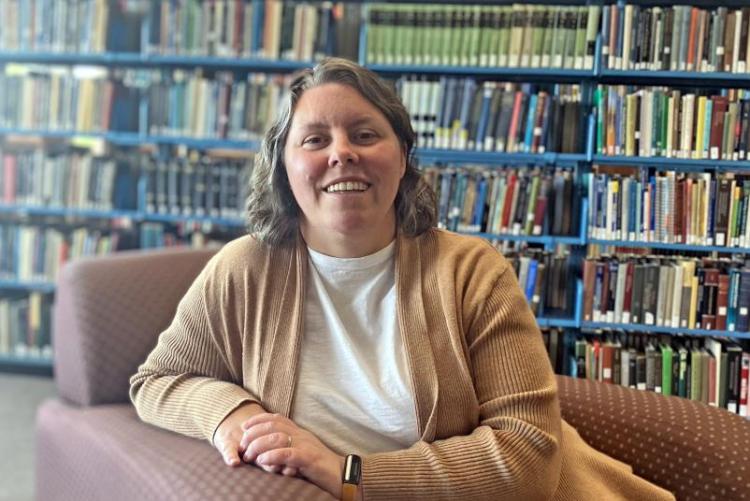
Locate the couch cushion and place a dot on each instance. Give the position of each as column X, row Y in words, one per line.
column 696, row 451
column 108, row 315
column 106, row 452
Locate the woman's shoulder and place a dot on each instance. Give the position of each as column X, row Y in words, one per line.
column 462, row 251
column 246, row 253
column 458, row 245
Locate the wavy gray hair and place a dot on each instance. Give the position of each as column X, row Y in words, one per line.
column 272, row 211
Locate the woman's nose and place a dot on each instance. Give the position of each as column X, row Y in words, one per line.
column 343, row 153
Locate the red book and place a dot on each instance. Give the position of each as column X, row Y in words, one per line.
column 9, row 179
column 720, row 106
column 511, row 144
column 508, row 203
column 604, row 299
column 627, row 300
column 744, row 380
column 589, row 283
column 713, row 398
column 722, row 303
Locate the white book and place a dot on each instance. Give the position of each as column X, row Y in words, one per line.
column 737, row 36
column 622, row 269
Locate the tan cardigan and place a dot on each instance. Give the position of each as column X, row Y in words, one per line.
column 485, row 395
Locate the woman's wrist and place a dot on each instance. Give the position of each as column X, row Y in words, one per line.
column 334, row 470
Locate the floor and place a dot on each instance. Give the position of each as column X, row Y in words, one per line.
column 19, row 398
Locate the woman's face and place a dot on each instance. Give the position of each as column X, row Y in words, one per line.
column 344, row 164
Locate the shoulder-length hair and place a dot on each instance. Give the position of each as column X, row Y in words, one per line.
column 272, row 211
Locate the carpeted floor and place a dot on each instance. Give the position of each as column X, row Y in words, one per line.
column 19, row 398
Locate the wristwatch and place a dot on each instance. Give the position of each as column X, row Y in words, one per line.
column 350, row 477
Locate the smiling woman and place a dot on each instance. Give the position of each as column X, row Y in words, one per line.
column 349, row 342
column 344, row 165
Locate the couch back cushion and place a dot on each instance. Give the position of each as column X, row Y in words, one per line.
column 696, row 451
column 109, row 313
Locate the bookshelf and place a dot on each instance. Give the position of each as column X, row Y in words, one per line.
column 585, row 66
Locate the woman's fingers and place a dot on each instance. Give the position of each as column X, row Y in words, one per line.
column 289, row 471
column 229, row 453
column 264, row 417
column 264, row 443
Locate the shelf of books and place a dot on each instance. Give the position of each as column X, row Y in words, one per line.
column 604, row 149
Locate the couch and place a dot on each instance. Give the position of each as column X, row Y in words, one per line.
column 90, row 445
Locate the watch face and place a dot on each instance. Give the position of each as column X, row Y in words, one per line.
column 352, row 469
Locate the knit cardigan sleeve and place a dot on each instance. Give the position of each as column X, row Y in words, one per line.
column 193, row 378
column 514, row 452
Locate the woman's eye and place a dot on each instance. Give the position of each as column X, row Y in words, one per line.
column 313, row 140
column 366, row 135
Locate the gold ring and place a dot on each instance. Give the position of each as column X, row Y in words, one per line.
column 289, row 442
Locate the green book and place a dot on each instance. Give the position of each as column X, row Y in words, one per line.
column 388, row 32
column 432, row 51
column 374, row 53
column 558, row 42
column 486, row 34
column 696, row 375
column 550, row 18
column 474, row 31
column 407, row 34
column 399, row 38
column 455, row 34
column 420, row 32
column 666, row 369
column 503, row 36
column 580, row 40
column 600, row 98
column 539, row 23
column 531, row 205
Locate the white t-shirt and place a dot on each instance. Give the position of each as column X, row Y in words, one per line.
column 353, row 389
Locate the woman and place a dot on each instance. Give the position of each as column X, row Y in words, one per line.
column 346, row 324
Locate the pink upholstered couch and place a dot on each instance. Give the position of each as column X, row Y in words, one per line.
column 90, row 444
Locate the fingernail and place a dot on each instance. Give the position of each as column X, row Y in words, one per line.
column 261, row 459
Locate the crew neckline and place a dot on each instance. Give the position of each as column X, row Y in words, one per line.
column 353, row 263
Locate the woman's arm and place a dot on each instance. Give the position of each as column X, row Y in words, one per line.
column 514, row 452
column 189, row 384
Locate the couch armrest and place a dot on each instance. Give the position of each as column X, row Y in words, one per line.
column 689, row 448
column 108, row 314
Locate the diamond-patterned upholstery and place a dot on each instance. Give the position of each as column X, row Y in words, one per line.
column 696, row 451
column 109, row 312
column 91, row 445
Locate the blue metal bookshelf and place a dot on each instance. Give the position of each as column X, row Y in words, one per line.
column 138, row 60
column 662, row 330
column 677, row 164
column 26, row 365
column 132, row 215
column 15, row 285
column 494, row 158
column 691, row 78
column 675, row 247
column 136, row 139
column 507, row 73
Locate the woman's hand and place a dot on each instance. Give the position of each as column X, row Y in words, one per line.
column 273, row 441
column 229, row 433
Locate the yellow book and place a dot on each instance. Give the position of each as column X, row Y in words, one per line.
column 693, row 302
column 688, row 270
column 732, row 208
column 700, row 129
